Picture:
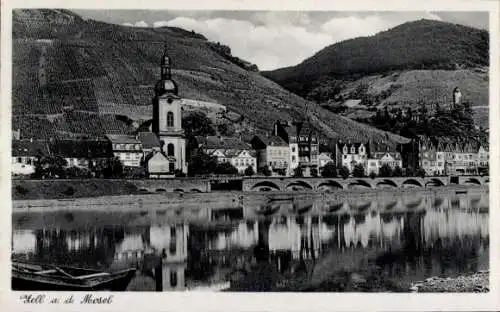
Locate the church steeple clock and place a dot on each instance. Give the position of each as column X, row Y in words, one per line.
column 167, row 116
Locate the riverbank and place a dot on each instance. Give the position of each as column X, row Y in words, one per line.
column 477, row 282
column 93, row 188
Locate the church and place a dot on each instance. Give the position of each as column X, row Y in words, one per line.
column 167, row 125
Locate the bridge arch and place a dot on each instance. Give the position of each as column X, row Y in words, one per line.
column 178, row 190
column 360, row 206
column 390, row 204
column 411, row 183
column 434, row 182
column 330, row 185
column 412, row 203
column 386, row 182
column 472, row 181
column 195, row 190
column 359, row 183
column 265, row 186
column 298, row 185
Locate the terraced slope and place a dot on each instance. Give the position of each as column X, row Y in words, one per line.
column 73, row 76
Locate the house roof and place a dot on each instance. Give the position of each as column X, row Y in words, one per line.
column 324, row 156
column 82, row 148
column 349, row 145
column 148, row 140
column 380, row 155
column 216, row 142
column 230, row 153
column 271, row 140
column 28, row 148
column 122, row 138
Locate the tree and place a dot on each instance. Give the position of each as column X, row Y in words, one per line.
column 358, row 171
column 50, row 166
column 179, row 174
column 201, row 163
column 265, row 171
column 314, row 172
column 373, row 175
column 76, row 172
column 298, row 172
column 226, row 129
column 197, row 124
column 116, row 167
column 385, row 171
column 420, row 172
column 225, row 168
column 329, row 170
column 249, row 171
column 398, row 172
column 344, row 172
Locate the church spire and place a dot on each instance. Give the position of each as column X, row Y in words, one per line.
column 165, row 84
column 166, row 65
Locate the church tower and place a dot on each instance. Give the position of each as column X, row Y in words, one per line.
column 167, row 117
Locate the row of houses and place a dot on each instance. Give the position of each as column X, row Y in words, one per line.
column 442, row 156
column 131, row 150
column 291, row 145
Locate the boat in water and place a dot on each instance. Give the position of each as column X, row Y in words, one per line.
column 26, row 276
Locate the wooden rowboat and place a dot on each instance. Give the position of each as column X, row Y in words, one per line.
column 27, row 276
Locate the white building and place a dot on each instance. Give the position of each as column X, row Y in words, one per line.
column 351, row 154
column 323, row 159
column 229, row 149
column 127, row 148
column 25, row 154
column 167, row 118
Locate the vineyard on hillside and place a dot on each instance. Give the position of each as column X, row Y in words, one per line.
column 104, row 70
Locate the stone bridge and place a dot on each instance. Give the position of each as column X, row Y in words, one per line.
column 331, row 184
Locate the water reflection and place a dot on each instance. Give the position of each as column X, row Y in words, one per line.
column 449, row 236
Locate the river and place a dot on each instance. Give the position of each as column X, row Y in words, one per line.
column 289, row 245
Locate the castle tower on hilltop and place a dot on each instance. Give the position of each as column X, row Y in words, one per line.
column 167, row 118
column 457, row 97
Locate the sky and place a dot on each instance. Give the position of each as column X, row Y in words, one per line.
column 275, row 39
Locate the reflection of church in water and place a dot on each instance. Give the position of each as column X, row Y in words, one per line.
column 194, row 253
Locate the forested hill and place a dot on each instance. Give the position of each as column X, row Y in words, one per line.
column 423, row 44
column 416, row 61
column 72, row 76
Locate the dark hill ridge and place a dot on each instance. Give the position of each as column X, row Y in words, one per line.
column 69, row 73
column 423, row 44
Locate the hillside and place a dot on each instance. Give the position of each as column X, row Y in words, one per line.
column 72, row 76
column 416, row 61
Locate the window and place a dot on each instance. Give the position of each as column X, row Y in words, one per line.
column 353, row 150
column 345, row 149
column 19, row 160
column 170, row 149
column 170, row 119
column 293, row 158
column 361, row 149
column 173, row 279
column 293, row 149
column 171, row 167
column 345, row 156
